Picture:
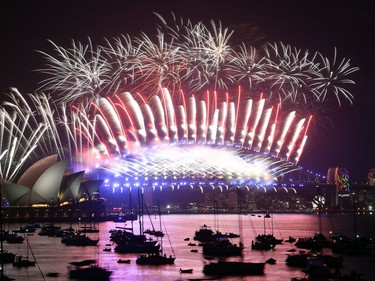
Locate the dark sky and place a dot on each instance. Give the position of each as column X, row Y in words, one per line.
column 318, row 25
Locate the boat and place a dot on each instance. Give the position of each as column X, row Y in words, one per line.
column 189, row 270
column 222, row 268
column 52, row 274
column 317, row 242
column 135, row 245
column 268, row 238
column 271, row 261
column 301, row 259
column 50, row 230
column 128, row 242
column 154, row 232
column 291, row 239
column 262, row 245
column 88, row 270
column 222, row 248
column 4, row 235
column 356, row 246
column 77, row 239
column 14, row 239
column 155, row 259
column 25, row 229
column 235, row 268
column 6, row 257
column 19, row 261
column 88, row 229
column 123, row 261
column 204, row 234
column 318, row 270
column 265, row 241
column 341, row 244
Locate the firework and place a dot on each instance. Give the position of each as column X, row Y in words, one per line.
column 118, row 105
column 121, row 127
column 193, row 58
column 21, row 135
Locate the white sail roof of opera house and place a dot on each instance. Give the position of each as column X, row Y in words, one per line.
column 13, row 192
column 89, row 188
column 70, row 188
column 32, row 174
column 50, row 184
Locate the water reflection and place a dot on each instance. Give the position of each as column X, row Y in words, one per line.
column 54, row 256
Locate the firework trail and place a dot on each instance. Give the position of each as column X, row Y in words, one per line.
column 186, row 87
column 192, row 58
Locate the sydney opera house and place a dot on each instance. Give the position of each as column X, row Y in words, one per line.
column 48, row 190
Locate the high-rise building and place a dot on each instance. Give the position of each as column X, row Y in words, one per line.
column 340, row 177
column 371, row 177
column 331, row 175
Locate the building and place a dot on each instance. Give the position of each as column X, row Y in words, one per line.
column 48, row 189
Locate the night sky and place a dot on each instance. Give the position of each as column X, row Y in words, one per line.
column 312, row 25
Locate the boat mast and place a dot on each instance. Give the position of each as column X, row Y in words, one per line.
column 355, row 215
column 148, row 213
column 216, row 215
column 1, row 231
column 161, row 238
column 239, row 206
column 159, row 216
column 131, row 210
column 140, row 210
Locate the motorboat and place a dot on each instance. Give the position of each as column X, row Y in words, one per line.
column 88, row 270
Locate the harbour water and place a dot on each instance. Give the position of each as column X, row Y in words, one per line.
column 53, row 256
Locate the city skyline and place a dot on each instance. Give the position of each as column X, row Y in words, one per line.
column 329, row 148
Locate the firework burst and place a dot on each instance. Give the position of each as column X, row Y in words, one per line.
column 192, row 58
column 186, row 87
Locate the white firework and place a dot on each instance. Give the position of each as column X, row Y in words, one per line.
column 192, row 58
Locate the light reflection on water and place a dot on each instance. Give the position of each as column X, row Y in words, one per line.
column 53, row 256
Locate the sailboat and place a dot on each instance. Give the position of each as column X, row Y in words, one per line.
column 316, row 244
column 236, row 268
column 128, row 242
column 154, row 232
column 77, row 239
column 319, row 240
column 342, row 244
column 206, row 234
column 4, row 256
column 20, row 261
column 266, row 241
column 156, row 258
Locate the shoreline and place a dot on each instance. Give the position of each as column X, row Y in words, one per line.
column 59, row 214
